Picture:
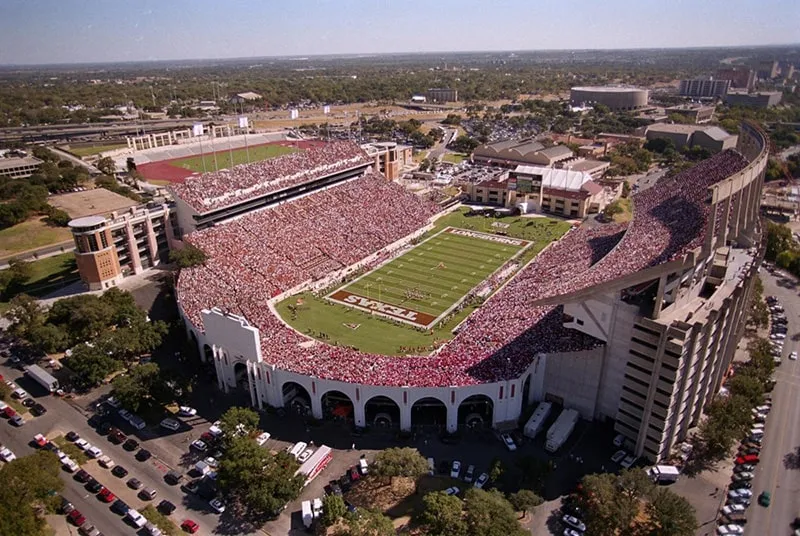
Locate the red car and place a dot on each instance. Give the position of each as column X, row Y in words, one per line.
column 77, row 518
column 208, row 437
column 747, row 458
column 9, row 412
column 106, row 496
column 190, row 526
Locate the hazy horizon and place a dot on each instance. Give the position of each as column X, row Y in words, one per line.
column 51, row 32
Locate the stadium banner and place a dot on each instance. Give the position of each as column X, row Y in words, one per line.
column 492, row 238
column 197, row 129
column 403, row 314
column 243, row 122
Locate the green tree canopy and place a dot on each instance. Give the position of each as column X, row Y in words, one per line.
column 524, row 500
column 238, row 422
column 255, row 479
column 441, row 515
column 366, row 522
column 106, row 165
column 670, row 514
column 91, row 364
column 143, row 386
column 399, row 461
column 488, row 513
column 187, row 256
column 25, row 484
column 333, row 509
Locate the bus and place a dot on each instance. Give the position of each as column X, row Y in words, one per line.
column 316, row 463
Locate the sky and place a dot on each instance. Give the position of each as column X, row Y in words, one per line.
column 76, row 31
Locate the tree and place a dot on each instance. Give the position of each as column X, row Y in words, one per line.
column 238, row 422
column 612, row 209
column 24, row 313
column 488, row 513
column 57, row 217
column 91, row 364
column 48, row 338
column 425, row 164
column 366, row 523
column 333, row 509
column 524, row 500
column 779, row 239
column 441, row 515
column 464, row 144
column 399, row 461
column 670, row 514
column 496, row 470
column 5, row 391
column 187, row 256
column 15, row 276
column 255, row 479
column 25, row 484
column 607, row 510
column 142, row 386
column 106, row 166
column 748, row 386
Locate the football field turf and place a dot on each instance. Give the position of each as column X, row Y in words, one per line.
column 240, row 156
column 424, row 284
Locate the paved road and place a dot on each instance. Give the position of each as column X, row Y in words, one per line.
column 779, row 470
column 438, row 150
column 63, row 417
column 64, row 155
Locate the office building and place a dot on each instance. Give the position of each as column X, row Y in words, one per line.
column 616, row 98
column 19, row 167
column 704, row 88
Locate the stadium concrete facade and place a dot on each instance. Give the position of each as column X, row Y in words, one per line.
column 617, row 98
column 633, row 323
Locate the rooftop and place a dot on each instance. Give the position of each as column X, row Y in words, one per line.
column 562, row 179
column 18, row 161
column 608, row 89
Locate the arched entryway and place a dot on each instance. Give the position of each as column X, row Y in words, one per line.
column 337, row 406
column 526, row 391
column 475, row 412
column 382, row 412
column 240, row 375
column 296, row 398
column 429, row 411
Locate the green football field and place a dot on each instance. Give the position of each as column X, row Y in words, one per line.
column 223, row 158
column 429, row 279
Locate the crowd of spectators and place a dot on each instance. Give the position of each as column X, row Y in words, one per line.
column 225, row 187
column 252, row 259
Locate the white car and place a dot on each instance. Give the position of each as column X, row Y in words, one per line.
column 211, row 462
column 452, row 491
column 82, row 443
column 455, row 469
column 508, row 442
column 94, row 452
column 106, row 462
column 619, row 440
column 262, row 438
column 170, row 424
column 730, row 529
column 619, row 456
column 777, row 336
column 572, row 532
column 217, row 505
column 482, row 480
column 306, row 454
column 199, row 444
column 69, row 465
column 469, row 474
column 793, row 356
column 744, row 475
column 186, row 411
column 743, row 493
column 574, row 522
column 215, row 429
column 629, row 461
column 733, row 509
column 6, row 455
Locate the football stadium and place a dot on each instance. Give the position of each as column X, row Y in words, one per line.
column 333, row 290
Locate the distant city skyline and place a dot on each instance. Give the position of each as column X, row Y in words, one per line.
column 94, row 31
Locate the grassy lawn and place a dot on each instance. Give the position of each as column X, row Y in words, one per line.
column 31, row 234
column 160, row 520
column 627, row 214
column 258, row 153
column 95, row 148
column 50, row 273
column 345, row 325
column 71, row 450
column 454, row 158
column 398, row 499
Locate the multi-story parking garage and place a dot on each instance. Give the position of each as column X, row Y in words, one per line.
column 634, row 323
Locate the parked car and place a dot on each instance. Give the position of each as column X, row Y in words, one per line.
column 730, row 529
column 119, row 507
column 143, row 455
column 170, row 424
column 106, row 496
column 455, row 470
column 77, row 518
column 166, row 507
column 119, row 471
column 744, row 475
column 469, row 474
column 217, row 505
column 765, row 499
column 199, row 445
column 93, row 486
column 747, row 458
column 574, row 522
column 482, row 480
column 508, row 442
column 186, row 411
column 618, row 456
column 190, row 526
column 452, row 491
column 130, row 445
column 262, row 438
column 134, row 483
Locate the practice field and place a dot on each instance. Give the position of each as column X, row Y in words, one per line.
column 223, row 158
column 427, row 282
